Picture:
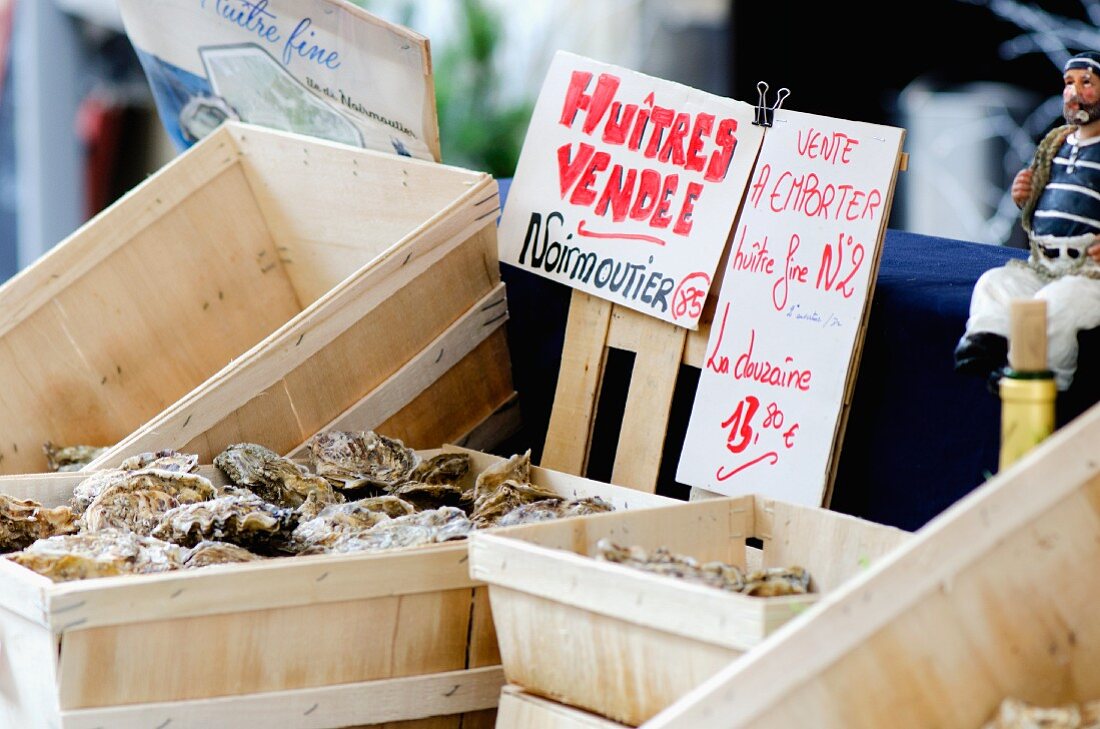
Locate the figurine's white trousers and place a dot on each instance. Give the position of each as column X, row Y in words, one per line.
column 1073, row 304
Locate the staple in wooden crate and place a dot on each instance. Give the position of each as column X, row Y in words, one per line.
column 994, row 598
column 624, row 643
column 306, row 642
column 257, row 288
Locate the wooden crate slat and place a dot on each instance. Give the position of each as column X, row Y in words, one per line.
column 313, row 708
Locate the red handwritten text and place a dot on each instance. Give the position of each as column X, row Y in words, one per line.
column 832, row 148
column 690, row 295
column 806, row 194
column 846, row 257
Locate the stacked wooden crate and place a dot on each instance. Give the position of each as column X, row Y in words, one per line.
column 995, row 598
column 304, row 642
column 265, row 285
column 625, row 644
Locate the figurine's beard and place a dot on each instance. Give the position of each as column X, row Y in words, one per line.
column 1083, row 114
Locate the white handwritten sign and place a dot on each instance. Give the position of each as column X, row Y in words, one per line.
column 325, row 68
column 627, row 187
column 790, row 312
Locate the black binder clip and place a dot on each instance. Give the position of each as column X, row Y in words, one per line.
column 765, row 114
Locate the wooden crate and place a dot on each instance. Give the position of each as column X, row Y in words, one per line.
column 624, row 643
column 259, row 287
column 996, row 597
column 521, row 709
column 323, row 641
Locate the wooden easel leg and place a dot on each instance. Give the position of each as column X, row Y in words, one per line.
column 659, row 348
column 569, row 434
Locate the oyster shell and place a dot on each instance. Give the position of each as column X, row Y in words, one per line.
column 425, row 527
column 352, row 460
column 242, row 519
column 507, row 496
column 206, row 554
column 101, row 554
column 166, row 460
column 1016, row 714
column 449, row 468
column 274, row 478
column 22, row 522
column 70, row 458
column 554, row 509
column 352, row 516
column 98, row 481
column 661, row 561
column 429, row 495
column 777, row 581
column 139, row 499
column 517, row 469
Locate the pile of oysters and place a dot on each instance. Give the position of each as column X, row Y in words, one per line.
column 362, row 492
column 770, row 582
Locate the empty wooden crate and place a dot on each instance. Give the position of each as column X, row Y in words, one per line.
column 995, row 598
column 521, row 710
column 625, row 643
column 296, row 642
column 262, row 283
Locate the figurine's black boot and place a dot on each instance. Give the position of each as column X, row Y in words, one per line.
column 981, row 353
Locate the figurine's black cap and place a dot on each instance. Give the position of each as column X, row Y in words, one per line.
column 1088, row 59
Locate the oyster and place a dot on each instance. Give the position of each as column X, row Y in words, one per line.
column 24, row 521
column 353, row 516
column 205, row 554
column 448, row 468
column 1017, row 714
column 425, row 527
column 98, row 481
column 274, row 478
column 507, row 496
column 777, row 581
column 139, row 499
column 166, row 460
column 102, row 554
column 663, row 562
column 242, row 519
column 429, row 495
column 352, row 460
column 554, row 509
column 517, row 469
column 70, row 458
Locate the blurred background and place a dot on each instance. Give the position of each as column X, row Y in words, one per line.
column 974, row 82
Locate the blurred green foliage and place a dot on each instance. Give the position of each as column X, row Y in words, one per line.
column 478, row 128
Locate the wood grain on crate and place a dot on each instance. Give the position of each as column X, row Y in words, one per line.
column 995, row 597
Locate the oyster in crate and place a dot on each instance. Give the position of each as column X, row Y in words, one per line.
column 353, row 460
column 554, row 509
column 243, row 519
column 70, row 458
column 98, row 481
column 23, row 521
column 139, row 499
column 508, row 496
column 430, row 495
column 353, row 516
column 517, row 469
column 100, row 554
column 777, row 581
column 425, row 527
column 166, row 460
column 448, row 468
column 663, row 562
column 205, row 554
column 274, row 478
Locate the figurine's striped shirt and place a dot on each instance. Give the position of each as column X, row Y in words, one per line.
column 1070, row 203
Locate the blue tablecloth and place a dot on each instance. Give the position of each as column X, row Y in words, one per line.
column 919, row 436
